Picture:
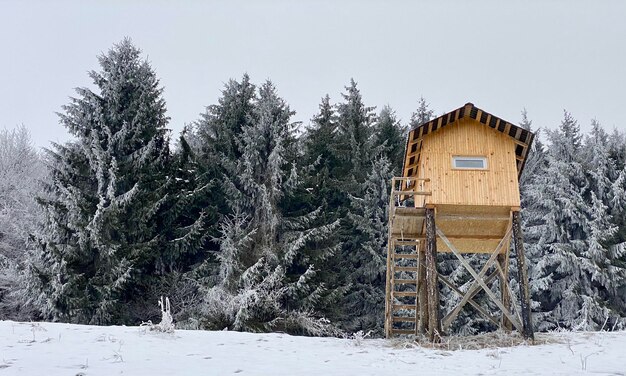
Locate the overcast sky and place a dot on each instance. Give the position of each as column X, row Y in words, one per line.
column 501, row 55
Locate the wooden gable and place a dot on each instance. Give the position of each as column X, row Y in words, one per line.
column 520, row 136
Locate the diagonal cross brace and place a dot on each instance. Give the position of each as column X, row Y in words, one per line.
column 449, row 318
column 478, row 278
column 507, row 285
column 475, row 287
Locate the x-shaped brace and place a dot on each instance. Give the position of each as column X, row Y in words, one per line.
column 479, row 281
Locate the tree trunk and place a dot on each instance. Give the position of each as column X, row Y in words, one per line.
column 522, row 275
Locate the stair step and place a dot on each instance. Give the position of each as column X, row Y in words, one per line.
column 404, row 306
column 404, row 281
column 403, row 319
column 404, row 293
column 405, row 255
column 405, row 269
column 405, row 242
column 402, row 331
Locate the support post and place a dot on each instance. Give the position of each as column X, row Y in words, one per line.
column 432, row 288
column 522, row 274
column 422, row 295
column 503, row 261
column 388, row 287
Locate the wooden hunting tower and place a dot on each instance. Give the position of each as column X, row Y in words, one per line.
column 459, row 193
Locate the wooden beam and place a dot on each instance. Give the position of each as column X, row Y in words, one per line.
column 461, row 217
column 522, row 275
column 447, row 321
column 432, row 287
column 422, row 294
column 503, row 269
column 514, row 311
column 409, row 269
column 403, row 331
column 460, row 237
column 405, row 256
column 389, row 275
column 507, row 128
column 471, row 292
column 405, row 281
column 403, row 306
column 403, row 319
column 478, row 279
column 412, row 193
column 400, row 243
column 475, row 285
column 521, row 143
column 404, row 293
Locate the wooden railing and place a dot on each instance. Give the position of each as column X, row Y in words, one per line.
column 407, row 191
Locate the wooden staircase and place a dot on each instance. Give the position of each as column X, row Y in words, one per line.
column 402, row 274
column 406, row 231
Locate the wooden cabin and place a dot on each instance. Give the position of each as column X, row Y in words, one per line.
column 459, row 193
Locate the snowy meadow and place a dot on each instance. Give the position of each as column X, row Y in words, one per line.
column 64, row 349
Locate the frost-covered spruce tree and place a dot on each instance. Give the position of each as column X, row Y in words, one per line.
column 215, row 140
column 535, row 161
column 600, row 166
column 571, row 278
column 606, row 246
column 321, row 159
column 187, row 220
column 390, row 138
column 369, row 219
column 104, row 246
column 532, row 220
column 422, row 114
column 22, row 172
column 354, row 138
column 53, row 284
column 267, row 257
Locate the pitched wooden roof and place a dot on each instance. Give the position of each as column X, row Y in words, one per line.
column 522, row 137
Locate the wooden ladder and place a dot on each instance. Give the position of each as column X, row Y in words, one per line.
column 406, row 226
column 402, row 283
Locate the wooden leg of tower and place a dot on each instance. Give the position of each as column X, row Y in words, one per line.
column 503, row 260
column 432, row 288
column 522, row 274
column 388, row 287
column 422, row 295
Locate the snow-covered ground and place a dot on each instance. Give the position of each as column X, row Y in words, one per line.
column 63, row 349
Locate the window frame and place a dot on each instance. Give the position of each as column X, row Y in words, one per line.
column 481, row 158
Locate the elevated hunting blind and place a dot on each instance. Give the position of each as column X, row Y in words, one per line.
column 459, row 193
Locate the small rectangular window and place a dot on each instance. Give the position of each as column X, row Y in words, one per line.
column 469, row 163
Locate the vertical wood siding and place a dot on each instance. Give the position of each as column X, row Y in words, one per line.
column 496, row 186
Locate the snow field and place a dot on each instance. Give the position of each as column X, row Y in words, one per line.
column 64, row 349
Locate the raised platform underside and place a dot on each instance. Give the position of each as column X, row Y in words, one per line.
column 472, row 229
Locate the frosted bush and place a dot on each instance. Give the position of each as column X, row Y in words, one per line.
column 167, row 322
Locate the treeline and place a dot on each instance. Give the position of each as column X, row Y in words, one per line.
column 251, row 223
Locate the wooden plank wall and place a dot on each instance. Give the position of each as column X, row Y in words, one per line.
column 496, row 186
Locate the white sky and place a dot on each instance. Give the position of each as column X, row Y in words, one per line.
column 502, row 56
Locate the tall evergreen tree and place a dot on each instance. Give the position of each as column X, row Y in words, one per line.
column 422, row 114
column 321, row 160
column 390, row 138
column 21, row 174
column 104, row 245
column 267, row 256
column 572, row 277
column 368, row 241
column 354, row 138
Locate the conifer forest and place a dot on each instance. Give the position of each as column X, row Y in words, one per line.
column 251, row 221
